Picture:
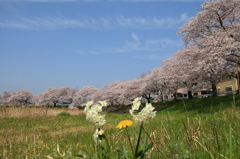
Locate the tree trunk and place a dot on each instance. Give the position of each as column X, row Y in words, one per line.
column 190, row 96
column 175, row 96
column 54, row 104
column 161, row 96
column 25, row 101
column 148, row 98
column 214, row 90
column 238, row 82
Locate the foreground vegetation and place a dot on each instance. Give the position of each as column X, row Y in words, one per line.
column 196, row 128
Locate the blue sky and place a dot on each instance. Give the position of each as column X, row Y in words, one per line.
column 77, row 43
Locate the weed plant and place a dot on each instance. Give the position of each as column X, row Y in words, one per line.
column 64, row 114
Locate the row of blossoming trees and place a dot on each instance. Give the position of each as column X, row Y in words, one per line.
column 211, row 52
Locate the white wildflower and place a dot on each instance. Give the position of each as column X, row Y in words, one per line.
column 149, row 107
column 97, row 108
column 90, row 113
column 100, row 132
column 103, row 103
column 93, row 118
column 137, row 99
column 131, row 112
column 95, row 136
column 136, row 103
column 89, row 103
column 145, row 114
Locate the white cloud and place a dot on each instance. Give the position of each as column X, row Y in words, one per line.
column 94, row 23
column 152, row 23
column 80, row 51
column 54, row 22
column 162, row 44
column 148, row 46
column 135, row 44
column 158, row 57
column 183, row 18
column 12, row 24
column 43, row 23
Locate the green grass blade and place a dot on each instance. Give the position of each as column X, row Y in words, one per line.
column 138, row 141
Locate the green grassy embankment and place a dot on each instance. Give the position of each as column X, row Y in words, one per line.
column 195, row 128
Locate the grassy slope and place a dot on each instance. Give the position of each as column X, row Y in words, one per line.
column 196, row 128
column 202, row 105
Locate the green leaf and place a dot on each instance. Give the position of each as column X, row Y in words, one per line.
column 88, row 154
column 142, row 152
column 149, row 146
column 122, row 153
column 78, row 155
column 145, row 148
column 138, row 141
column 119, row 153
column 107, row 144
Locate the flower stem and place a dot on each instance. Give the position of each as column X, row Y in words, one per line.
column 139, row 137
column 130, row 143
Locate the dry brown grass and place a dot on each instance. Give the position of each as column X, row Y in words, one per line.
column 20, row 112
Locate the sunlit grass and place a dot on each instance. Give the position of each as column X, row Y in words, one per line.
column 27, row 111
column 181, row 133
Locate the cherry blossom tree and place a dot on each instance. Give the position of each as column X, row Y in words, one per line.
column 214, row 16
column 5, row 96
column 193, row 66
column 156, row 81
column 54, row 96
column 20, row 97
column 119, row 92
column 215, row 30
column 110, row 92
column 98, row 95
column 147, row 86
column 130, row 90
column 186, row 65
column 212, row 67
column 115, row 92
column 169, row 77
column 82, row 96
column 70, row 93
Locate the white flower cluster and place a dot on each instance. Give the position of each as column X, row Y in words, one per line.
column 97, row 134
column 93, row 112
column 146, row 113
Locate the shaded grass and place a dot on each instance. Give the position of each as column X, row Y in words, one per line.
column 202, row 105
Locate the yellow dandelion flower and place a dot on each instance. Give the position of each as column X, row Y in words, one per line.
column 124, row 124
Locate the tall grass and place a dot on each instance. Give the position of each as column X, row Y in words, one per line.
column 180, row 131
column 26, row 111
